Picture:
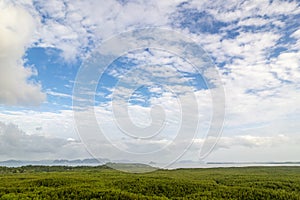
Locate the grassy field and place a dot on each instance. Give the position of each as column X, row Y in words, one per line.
column 104, row 183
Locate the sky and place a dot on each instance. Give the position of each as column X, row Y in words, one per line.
column 150, row 80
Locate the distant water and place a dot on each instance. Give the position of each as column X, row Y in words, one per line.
column 224, row 165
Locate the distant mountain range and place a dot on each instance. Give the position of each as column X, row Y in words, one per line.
column 88, row 161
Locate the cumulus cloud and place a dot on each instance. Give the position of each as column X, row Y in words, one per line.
column 16, row 144
column 75, row 27
column 251, row 141
column 48, row 123
column 16, row 30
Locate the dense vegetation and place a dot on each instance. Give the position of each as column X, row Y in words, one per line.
column 45, row 182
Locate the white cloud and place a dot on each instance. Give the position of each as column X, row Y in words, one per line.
column 296, row 34
column 246, row 141
column 228, row 11
column 50, row 124
column 252, row 141
column 259, row 86
column 253, row 22
column 59, row 94
column 258, row 145
column 75, row 27
column 16, row 144
column 286, row 66
column 16, row 30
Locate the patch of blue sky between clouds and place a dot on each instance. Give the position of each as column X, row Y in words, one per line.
column 286, row 40
column 153, row 73
column 55, row 74
column 198, row 21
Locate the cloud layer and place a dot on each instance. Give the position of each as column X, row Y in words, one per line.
column 16, row 144
column 254, row 44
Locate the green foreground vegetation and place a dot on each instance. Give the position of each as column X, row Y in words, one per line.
column 45, row 182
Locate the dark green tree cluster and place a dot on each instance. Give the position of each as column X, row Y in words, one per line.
column 45, row 182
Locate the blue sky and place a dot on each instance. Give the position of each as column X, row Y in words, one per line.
column 254, row 46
